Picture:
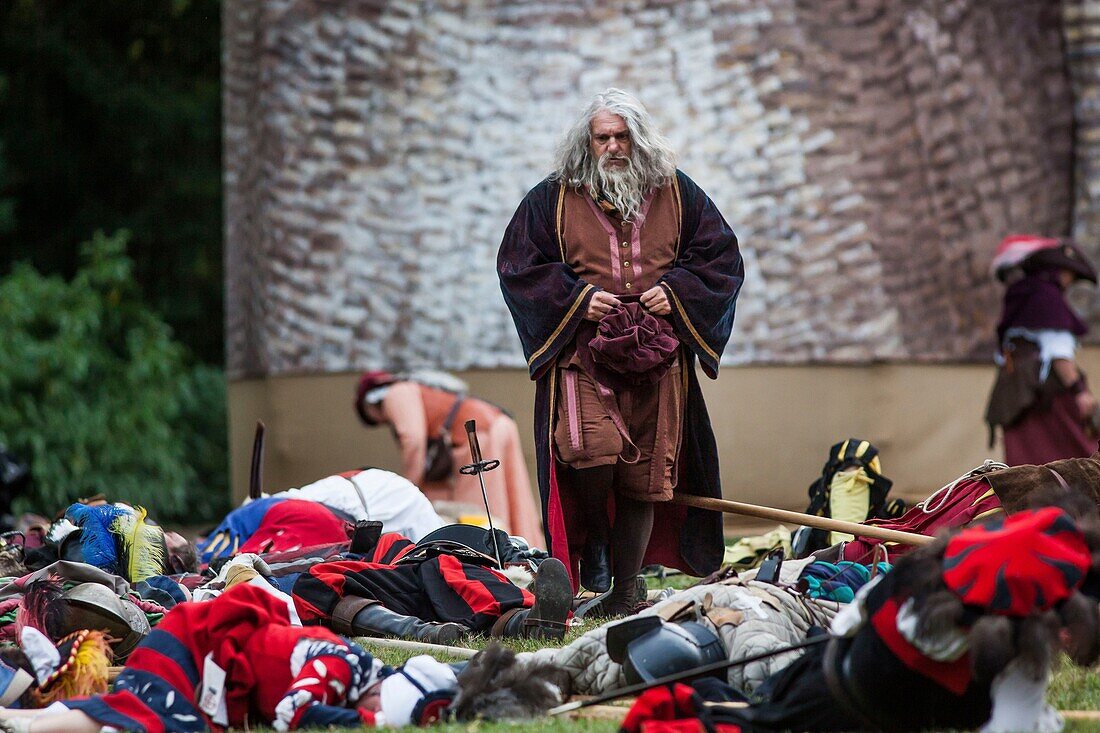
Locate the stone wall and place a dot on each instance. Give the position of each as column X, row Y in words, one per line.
column 869, row 154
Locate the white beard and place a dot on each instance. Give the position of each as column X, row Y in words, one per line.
column 622, row 186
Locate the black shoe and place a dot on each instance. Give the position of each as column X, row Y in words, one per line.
column 546, row 619
column 596, row 566
column 624, row 599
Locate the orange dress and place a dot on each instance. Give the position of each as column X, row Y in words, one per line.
column 416, row 412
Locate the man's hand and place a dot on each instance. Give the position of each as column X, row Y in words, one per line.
column 656, row 302
column 600, row 305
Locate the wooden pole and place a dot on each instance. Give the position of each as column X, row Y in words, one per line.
column 419, row 646
column 809, row 520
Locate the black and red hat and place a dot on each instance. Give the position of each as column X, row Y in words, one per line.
column 368, row 382
column 1032, row 253
column 1013, row 566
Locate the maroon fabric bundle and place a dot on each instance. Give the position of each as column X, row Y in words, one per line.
column 631, row 347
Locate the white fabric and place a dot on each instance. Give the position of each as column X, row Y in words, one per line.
column 377, row 495
column 41, row 652
column 399, row 695
column 1019, row 704
column 946, row 647
column 1053, row 344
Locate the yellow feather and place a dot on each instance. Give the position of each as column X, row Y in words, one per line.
column 87, row 676
column 142, row 545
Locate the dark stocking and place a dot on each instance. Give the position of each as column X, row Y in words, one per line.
column 633, row 526
column 590, row 488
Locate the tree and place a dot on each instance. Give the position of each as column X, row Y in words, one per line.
column 97, row 396
column 110, row 119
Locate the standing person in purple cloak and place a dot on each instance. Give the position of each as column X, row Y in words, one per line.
column 619, row 272
column 1041, row 399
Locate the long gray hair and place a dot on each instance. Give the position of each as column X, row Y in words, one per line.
column 652, row 162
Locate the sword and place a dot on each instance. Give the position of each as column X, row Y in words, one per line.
column 255, row 477
column 478, row 467
column 681, row 676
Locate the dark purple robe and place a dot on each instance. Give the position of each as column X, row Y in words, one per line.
column 548, row 301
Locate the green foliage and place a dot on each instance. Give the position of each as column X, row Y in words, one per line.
column 110, row 118
column 97, row 396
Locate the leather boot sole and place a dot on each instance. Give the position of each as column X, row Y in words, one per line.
column 553, row 598
column 596, row 568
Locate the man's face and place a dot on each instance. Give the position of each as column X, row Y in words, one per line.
column 371, row 699
column 610, row 137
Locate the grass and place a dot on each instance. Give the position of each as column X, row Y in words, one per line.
column 1073, row 688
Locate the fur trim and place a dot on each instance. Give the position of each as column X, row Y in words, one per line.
column 520, row 576
column 1081, row 618
column 495, row 686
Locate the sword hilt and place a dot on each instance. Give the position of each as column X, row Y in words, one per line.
column 479, row 465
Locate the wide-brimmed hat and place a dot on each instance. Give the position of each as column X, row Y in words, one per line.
column 1031, row 252
column 369, row 382
column 95, row 606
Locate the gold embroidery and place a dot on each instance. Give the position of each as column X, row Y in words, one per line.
column 561, row 326
column 684, row 316
column 679, row 213
column 559, row 219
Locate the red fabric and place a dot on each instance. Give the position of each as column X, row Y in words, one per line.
column 1042, row 436
column 953, row 676
column 127, row 703
column 555, row 527
column 324, row 678
column 632, row 346
column 384, row 551
column 226, row 628
column 669, row 709
column 473, row 591
column 292, row 524
column 970, row 498
column 1027, row 562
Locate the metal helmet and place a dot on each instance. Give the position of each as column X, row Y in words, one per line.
column 648, row 647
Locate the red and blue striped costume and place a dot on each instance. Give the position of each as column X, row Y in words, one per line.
column 442, row 588
column 291, row 677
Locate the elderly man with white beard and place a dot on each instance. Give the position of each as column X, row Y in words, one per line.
column 619, row 272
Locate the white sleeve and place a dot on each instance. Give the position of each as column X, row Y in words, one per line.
column 1056, row 344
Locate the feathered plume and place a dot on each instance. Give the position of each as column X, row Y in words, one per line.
column 42, row 608
column 96, row 540
column 83, row 672
column 495, row 686
column 143, row 548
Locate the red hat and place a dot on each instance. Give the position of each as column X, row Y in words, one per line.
column 1028, row 562
column 1033, row 252
column 367, row 382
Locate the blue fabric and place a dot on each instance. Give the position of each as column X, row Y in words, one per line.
column 166, row 584
column 238, row 525
column 839, row 581
column 284, row 583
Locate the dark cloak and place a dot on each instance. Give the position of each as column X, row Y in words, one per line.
column 548, row 301
column 1038, row 302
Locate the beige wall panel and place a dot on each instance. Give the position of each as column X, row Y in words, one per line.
column 774, row 425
